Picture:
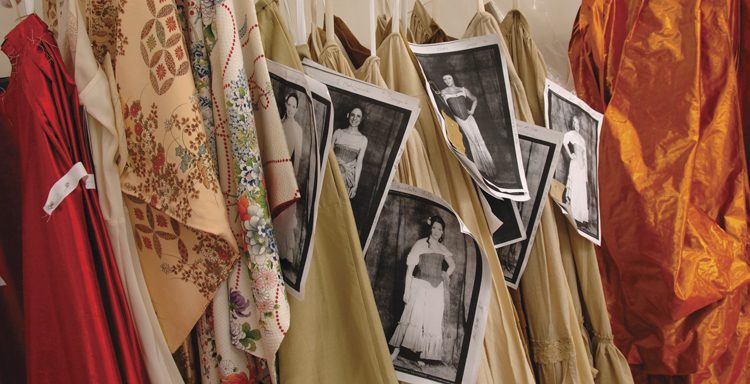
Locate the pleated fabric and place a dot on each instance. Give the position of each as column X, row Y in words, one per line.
column 98, row 93
column 504, row 358
column 356, row 52
column 674, row 204
column 527, row 61
column 335, row 335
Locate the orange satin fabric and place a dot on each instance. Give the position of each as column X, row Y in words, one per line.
column 673, row 182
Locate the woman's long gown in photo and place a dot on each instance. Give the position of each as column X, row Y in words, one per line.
column 420, row 328
column 577, row 178
column 480, row 154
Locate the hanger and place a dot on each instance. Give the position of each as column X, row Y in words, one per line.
column 372, row 28
column 328, row 20
column 301, row 25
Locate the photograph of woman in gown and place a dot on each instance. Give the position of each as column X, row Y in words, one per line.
column 286, row 222
column 429, row 267
column 456, row 98
column 349, row 145
column 576, row 188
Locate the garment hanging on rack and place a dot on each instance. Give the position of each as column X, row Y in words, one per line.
column 97, row 92
column 528, row 61
column 179, row 217
column 424, row 28
column 503, row 358
column 77, row 324
column 675, row 283
column 249, row 314
column 339, row 312
column 356, row 52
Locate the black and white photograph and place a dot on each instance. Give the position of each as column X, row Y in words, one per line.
column 540, row 150
column 511, row 228
column 371, row 125
column 579, row 163
column 431, row 283
column 294, row 227
column 470, row 93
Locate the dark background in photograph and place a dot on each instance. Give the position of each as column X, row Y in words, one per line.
column 384, row 126
column 402, row 222
column 503, row 210
column 306, row 183
column 322, row 109
column 561, row 119
column 480, row 71
column 537, row 159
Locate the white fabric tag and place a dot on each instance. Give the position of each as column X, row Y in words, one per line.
column 64, row 187
column 2, row 282
column 90, row 181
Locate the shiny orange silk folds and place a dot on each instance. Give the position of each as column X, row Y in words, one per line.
column 673, row 182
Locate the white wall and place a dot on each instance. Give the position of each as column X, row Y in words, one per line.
column 550, row 20
column 7, row 23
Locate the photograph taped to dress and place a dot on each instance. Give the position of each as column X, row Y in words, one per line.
column 470, row 93
column 540, row 148
column 294, row 227
column 371, row 126
column 435, row 325
column 579, row 158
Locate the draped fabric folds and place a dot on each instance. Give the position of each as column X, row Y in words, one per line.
column 338, row 315
column 78, row 327
column 674, row 185
column 98, row 93
column 180, row 224
column 504, row 358
column 249, row 315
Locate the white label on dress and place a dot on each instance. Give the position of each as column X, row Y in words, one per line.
column 2, row 282
column 90, row 181
column 64, row 187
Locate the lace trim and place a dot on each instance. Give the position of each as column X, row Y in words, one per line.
column 553, row 351
column 603, row 339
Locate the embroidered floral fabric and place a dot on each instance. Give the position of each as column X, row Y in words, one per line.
column 250, row 314
column 179, row 219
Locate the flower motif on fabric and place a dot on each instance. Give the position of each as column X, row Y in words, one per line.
column 201, row 68
column 205, row 272
column 208, row 342
column 238, row 305
column 245, row 336
column 168, row 185
column 160, row 59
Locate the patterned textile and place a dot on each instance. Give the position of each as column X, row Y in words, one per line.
column 250, row 315
column 179, row 217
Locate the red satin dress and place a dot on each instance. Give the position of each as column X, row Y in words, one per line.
column 77, row 324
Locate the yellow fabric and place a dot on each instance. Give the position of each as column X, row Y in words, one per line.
column 483, row 24
column 335, row 335
column 610, row 363
column 274, row 33
column 554, row 333
column 527, row 60
column 419, row 23
column 503, row 358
